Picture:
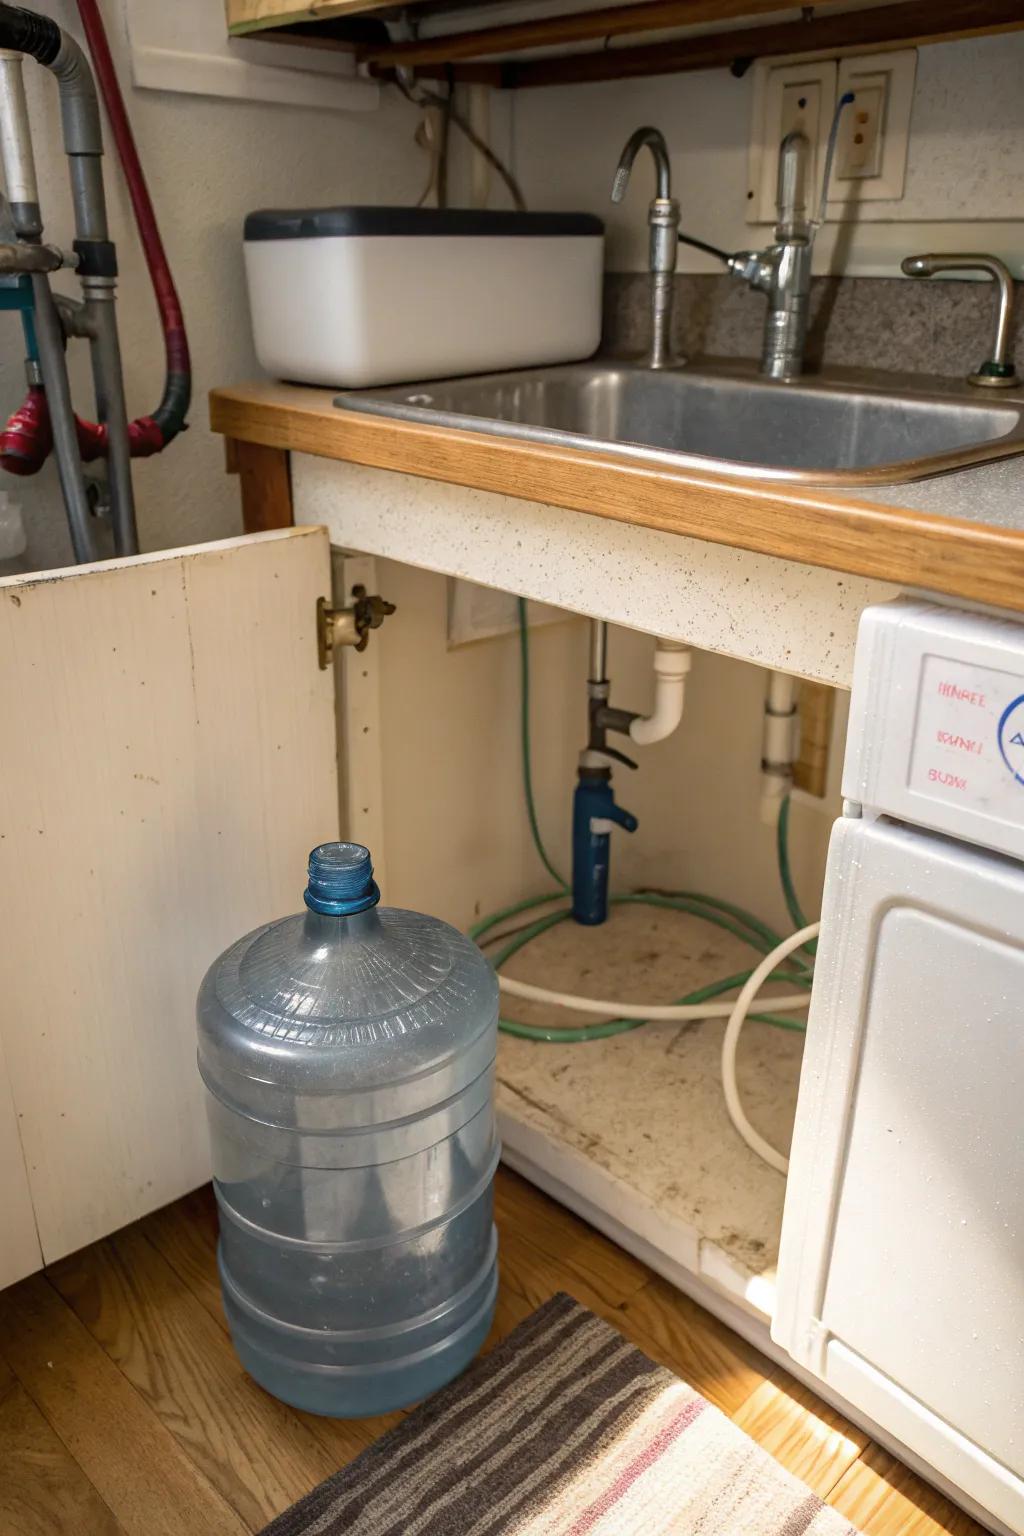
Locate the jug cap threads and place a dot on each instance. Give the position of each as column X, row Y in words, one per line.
column 341, row 880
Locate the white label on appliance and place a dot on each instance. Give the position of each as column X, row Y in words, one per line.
column 968, row 747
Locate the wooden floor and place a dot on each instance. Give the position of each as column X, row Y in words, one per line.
column 124, row 1412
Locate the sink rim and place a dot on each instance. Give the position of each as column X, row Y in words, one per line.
column 383, row 402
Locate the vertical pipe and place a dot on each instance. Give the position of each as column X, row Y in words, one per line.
column 62, row 416
column 598, row 672
column 83, row 145
column 16, row 149
column 111, row 408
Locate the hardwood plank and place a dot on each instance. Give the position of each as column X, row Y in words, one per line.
column 520, row 1207
column 185, row 1234
column 253, row 15
column 909, row 23
column 829, row 528
column 253, row 1449
column 265, row 483
column 130, row 1458
column 806, row 1436
column 43, row 1490
column 882, row 1497
column 550, row 31
column 678, row 1333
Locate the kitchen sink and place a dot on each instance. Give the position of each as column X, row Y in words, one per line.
column 846, row 428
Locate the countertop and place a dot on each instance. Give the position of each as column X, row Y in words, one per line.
column 960, row 534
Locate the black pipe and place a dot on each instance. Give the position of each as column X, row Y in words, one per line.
column 24, row 32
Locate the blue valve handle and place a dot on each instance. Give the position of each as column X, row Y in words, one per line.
column 593, row 807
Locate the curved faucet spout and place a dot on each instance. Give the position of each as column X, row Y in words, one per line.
column 655, row 141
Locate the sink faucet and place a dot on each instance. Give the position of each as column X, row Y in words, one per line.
column 783, row 269
column 663, row 219
column 997, row 371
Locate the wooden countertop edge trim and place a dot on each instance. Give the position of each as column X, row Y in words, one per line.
column 975, row 561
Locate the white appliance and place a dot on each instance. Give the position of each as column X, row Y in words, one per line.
column 901, row 1277
column 351, row 297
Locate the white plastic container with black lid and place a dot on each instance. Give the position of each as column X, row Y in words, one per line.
column 351, row 297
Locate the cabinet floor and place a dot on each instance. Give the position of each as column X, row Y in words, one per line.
column 124, row 1412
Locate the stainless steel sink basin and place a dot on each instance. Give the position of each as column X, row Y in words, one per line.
column 845, row 429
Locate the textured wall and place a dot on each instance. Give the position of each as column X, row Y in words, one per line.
column 208, row 162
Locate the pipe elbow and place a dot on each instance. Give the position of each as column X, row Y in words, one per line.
column 671, row 668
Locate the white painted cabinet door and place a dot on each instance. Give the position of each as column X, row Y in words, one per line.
column 168, row 758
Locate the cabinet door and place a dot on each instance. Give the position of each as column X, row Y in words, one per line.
column 900, row 1274
column 168, row 760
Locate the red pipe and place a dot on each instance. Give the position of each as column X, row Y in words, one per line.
column 171, row 317
column 26, row 439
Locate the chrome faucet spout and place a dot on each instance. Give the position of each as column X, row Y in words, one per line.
column 654, row 139
column 663, row 220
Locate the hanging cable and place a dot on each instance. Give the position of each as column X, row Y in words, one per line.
column 423, row 96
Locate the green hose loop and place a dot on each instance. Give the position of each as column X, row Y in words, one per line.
column 793, row 906
column 524, row 737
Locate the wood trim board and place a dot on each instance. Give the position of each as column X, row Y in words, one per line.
column 930, row 552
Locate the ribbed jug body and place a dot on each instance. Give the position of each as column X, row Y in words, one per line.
column 348, row 1056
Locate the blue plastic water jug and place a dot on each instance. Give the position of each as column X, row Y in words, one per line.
column 348, row 1055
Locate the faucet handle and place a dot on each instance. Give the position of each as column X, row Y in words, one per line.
column 844, row 101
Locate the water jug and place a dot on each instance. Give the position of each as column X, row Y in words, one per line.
column 348, row 1056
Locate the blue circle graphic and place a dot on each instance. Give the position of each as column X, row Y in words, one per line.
column 1011, row 737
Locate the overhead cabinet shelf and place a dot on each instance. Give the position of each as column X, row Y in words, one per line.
column 557, row 46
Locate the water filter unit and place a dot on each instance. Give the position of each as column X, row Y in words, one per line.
column 900, row 1273
column 348, row 1054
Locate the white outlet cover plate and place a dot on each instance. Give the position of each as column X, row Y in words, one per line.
column 476, row 612
column 895, row 73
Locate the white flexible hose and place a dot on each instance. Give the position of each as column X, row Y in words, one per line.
column 655, row 1012
column 737, row 1015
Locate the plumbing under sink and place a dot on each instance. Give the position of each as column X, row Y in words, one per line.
column 847, row 428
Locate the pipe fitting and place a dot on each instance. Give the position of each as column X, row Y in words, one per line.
column 672, row 661
column 779, row 744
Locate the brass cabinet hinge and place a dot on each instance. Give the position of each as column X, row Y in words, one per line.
column 348, row 626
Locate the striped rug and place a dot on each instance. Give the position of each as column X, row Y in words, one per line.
column 564, row 1430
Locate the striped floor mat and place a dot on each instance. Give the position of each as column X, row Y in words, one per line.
column 565, row 1429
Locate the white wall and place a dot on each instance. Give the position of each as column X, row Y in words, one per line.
column 965, row 170
column 208, row 163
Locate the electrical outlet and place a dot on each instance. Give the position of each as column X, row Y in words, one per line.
column 859, row 147
column 871, row 151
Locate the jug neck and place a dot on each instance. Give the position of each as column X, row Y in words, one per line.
column 325, row 928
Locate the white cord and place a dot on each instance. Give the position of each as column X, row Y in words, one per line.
column 737, row 1015
column 653, row 1011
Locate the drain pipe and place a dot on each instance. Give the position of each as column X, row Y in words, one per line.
column 671, row 668
column 779, row 743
